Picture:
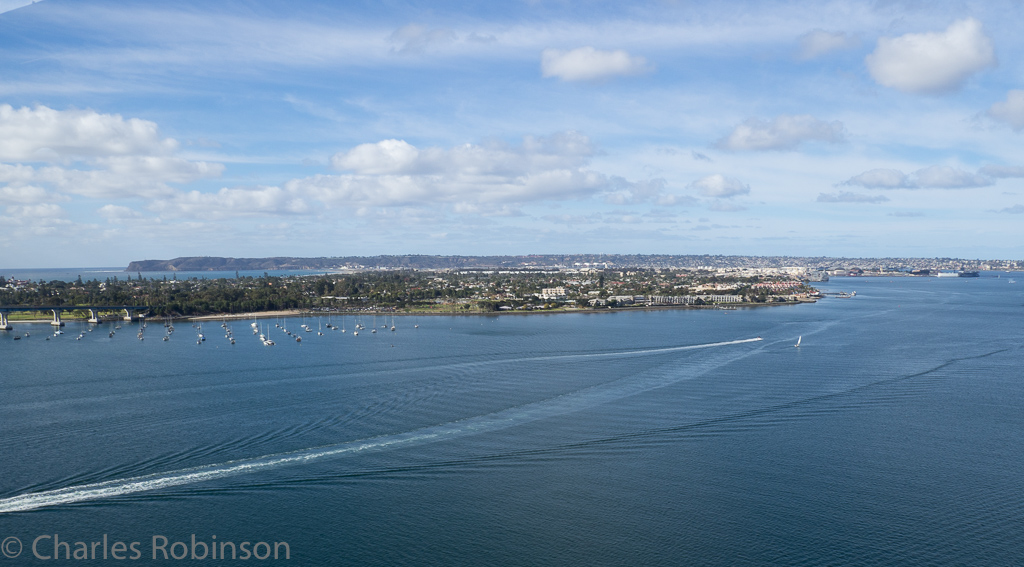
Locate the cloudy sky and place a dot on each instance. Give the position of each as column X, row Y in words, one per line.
column 150, row 130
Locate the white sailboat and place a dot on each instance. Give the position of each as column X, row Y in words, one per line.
column 798, row 340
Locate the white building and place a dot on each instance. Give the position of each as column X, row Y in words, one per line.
column 553, row 293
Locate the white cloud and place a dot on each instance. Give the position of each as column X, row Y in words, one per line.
column 396, row 173
column 932, row 177
column 880, row 179
column 118, row 158
column 409, row 190
column 848, row 197
column 8, row 5
column 625, row 192
column 945, row 177
column 1002, row 171
column 45, row 134
column 589, row 64
column 122, row 176
column 387, row 156
column 1011, row 110
column 230, row 202
column 819, row 42
column 45, row 214
column 415, row 38
column 932, row 62
column 719, row 186
column 393, row 157
column 725, row 207
column 24, row 195
column 783, row 132
column 117, row 213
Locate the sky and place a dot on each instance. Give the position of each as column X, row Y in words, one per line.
column 152, row 130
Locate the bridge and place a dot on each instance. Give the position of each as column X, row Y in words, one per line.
column 131, row 312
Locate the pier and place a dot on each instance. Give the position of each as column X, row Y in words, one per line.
column 131, row 312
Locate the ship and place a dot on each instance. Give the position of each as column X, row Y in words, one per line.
column 957, row 274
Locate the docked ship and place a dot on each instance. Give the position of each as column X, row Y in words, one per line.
column 957, row 274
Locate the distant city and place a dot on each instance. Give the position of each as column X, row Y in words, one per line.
column 562, row 262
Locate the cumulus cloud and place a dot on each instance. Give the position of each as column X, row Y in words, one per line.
column 387, row 156
column 117, row 213
column 932, row 62
column 880, row 179
column 25, row 194
column 847, row 197
column 48, row 135
column 945, row 177
column 720, row 186
column 397, row 157
column 816, row 43
column 471, row 177
column 589, row 64
column 83, row 152
column 782, row 133
column 933, row 177
column 1011, row 110
column 118, row 177
column 44, row 213
column 625, row 192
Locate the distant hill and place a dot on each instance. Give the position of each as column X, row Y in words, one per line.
column 538, row 261
column 417, row 262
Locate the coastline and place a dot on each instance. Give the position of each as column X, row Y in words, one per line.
column 308, row 313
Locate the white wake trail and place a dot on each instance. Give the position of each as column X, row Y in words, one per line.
column 490, row 422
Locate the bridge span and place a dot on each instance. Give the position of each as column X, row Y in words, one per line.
column 131, row 312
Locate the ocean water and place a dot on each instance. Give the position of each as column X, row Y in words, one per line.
column 891, row 436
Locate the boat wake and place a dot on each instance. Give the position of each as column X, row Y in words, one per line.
column 509, row 417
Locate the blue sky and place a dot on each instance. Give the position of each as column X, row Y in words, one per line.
column 148, row 129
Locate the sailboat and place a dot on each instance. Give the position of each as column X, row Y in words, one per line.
column 798, row 339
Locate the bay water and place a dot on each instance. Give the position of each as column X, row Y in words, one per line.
column 894, row 435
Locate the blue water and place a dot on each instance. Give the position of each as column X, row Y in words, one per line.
column 891, row 436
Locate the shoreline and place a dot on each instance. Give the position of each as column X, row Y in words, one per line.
column 309, row 313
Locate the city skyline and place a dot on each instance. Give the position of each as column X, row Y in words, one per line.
column 889, row 129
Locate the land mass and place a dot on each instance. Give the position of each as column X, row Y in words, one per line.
column 563, row 261
column 418, row 291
